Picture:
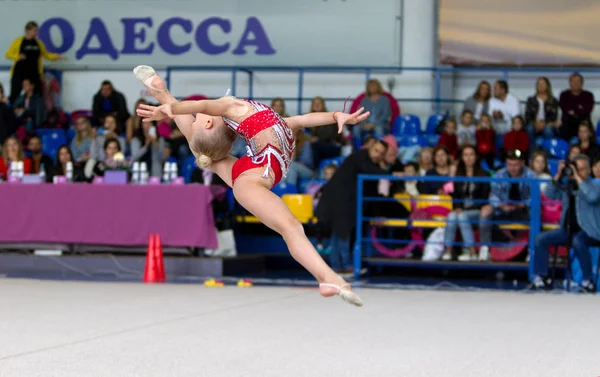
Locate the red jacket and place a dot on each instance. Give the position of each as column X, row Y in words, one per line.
column 4, row 167
column 450, row 142
column 516, row 140
column 486, row 141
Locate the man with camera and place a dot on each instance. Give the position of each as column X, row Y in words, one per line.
column 580, row 221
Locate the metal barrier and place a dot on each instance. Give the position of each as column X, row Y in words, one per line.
column 534, row 224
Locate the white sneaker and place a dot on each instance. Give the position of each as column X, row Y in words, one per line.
column 447, row 256
column 464, row 257
column 484, row 253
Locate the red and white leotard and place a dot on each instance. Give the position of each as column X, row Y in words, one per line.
column 270, row 142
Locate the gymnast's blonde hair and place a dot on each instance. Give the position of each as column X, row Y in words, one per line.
column 209, row 147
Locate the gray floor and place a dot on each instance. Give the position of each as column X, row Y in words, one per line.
column 124, row 329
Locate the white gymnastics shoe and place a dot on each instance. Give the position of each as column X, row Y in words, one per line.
column 346, row 295
column 143, row 73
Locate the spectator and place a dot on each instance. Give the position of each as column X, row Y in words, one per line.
column 425, row 160
column 479, row 102
column 580, row 215
column 325, row 141
column 378, row 123
column 510, row 201
column 441, row 168
column 596, row 169
column 470, row 202
column 541, row 111
column 278, row 105
column 181, row 150
column 574, row 150
column 576, row 105
column 337, row 207
column 7, row 117
column 393, row 165
column 63, row 156
column 38, row 159
column 466, row 129
column 298, row 169
column 503, row 107
column 517, row 138
column 27, row 52
column 539, row 166
column 82, row 142
column 109, row 131
column 109, row 102
column 111, row 147
column 369, row 140
column 587, row 141
column 147, row 146
column 30, row 107
column 134, row 122
column 13, row 152
column 486, row 140
column 316, row 189
column 411, row 187
column 448, row 139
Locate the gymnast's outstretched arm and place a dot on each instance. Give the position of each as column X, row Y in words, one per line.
column 323, row 119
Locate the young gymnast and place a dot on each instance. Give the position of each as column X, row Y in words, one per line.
column 270, row 146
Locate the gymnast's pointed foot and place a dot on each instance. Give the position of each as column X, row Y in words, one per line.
column 148, row 76
column 343, row 290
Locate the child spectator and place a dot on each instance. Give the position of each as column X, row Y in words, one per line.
column 486, row 140
column 411, row 170
column 13, row 152
column 466, row 129
column 448, row 138
column 315, row 189
column 539, row 165
column 517, row 138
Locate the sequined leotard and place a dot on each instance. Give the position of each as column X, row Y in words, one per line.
column 270, row 142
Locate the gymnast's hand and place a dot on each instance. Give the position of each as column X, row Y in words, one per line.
column 154, row 113
column 356, row 117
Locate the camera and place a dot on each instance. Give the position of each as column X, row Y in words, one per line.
column 567, row 171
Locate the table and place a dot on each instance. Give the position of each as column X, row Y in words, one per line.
column 116, row 215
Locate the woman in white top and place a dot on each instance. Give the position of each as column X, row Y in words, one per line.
column 541, row 111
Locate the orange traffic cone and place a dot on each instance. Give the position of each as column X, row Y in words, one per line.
column 160, row 259
column 151, row 274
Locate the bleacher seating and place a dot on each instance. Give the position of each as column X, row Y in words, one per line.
column 432, row 123
column 406, row 125
column 52, row 139
column 557, row 148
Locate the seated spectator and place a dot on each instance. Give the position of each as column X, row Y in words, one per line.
column 278, row 105
column 596, row 169
column 470, row 202
column 503, row 107
column 466, row 129
column 134, row 122
column 539, row 166
column 298, row 169
column 8, row 125
column 109, row 102
column 82, row 142
column 378, row 123
column 574, row 150
column 411, row 187
column 147, row 146
column 448, row 139
column 425, row 160
column 541, row 111
column 111, row 147
column 38, row 159
column 110, row 130
column 441, row 168
column 325, row 141
column 316, row 189
column 510, row 201
column 580, row 215
column 12, row 151
column 587, row 141
column 479, row 102
column 30, row 107
column 517, row 138
column 63, row 156
column 486, row 140
column 576, row 105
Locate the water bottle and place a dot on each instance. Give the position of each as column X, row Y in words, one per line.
column 42, row 173
column 135, row 178
column 174, row 172
column 143, row 173
column 167, row 172
column 69, row 172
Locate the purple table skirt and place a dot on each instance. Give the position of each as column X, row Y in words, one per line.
column 120, row 215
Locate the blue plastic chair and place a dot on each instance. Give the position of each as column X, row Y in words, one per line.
column 412, row 140
column 71, row 133
column 557, row 148
column 598, row 129
column 52, row 140
column 499, row 142
column 187, row 167
column 553, row 166
column 406, row 125
column 303, row 184
column 432, row 123
column 284, row 188
column 431, row 139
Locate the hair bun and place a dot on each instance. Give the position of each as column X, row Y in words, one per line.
column 204, row 161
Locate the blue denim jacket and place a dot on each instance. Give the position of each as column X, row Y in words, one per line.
column 501, row 190
column 587, row 205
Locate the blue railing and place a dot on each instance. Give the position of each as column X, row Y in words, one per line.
column 438, row 72
column 534, row 204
